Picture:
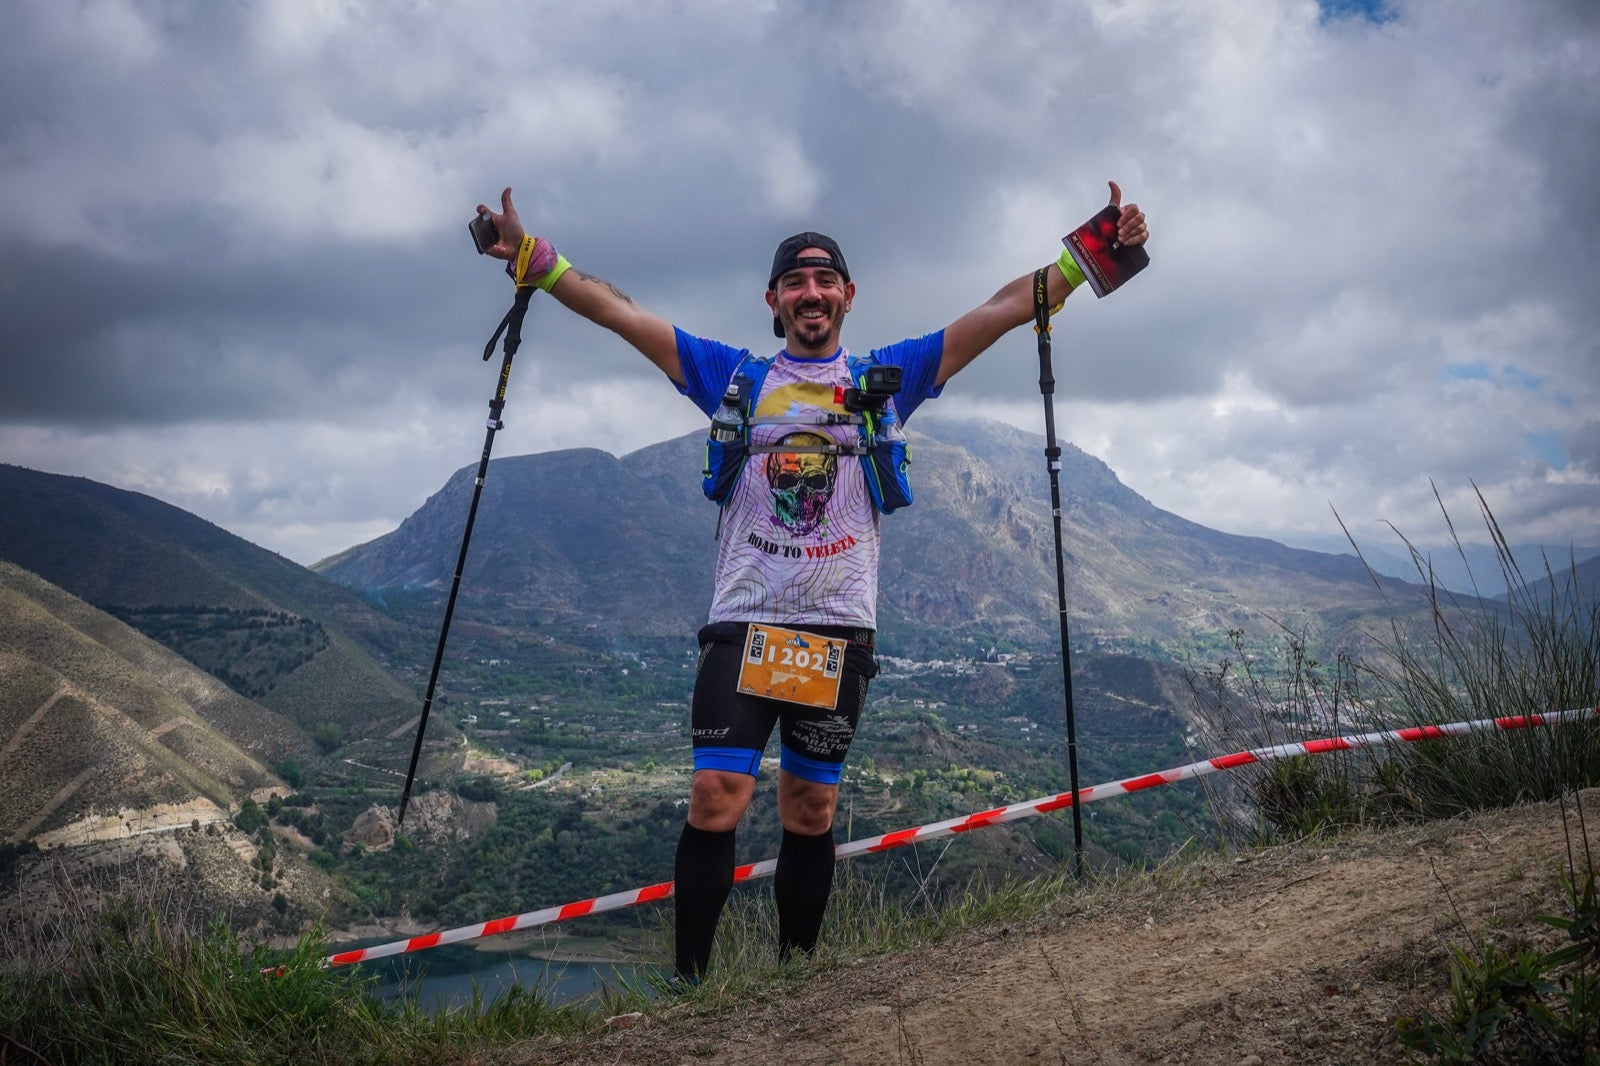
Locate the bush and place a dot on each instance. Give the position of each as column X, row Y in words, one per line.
column 10, row 853
column 250, row 817
column 290, row 770
column 478, row 789
column 328, row 735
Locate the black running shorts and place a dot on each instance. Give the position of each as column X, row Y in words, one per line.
column 731, row 728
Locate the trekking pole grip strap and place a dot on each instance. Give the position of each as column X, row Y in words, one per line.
column 511, row 324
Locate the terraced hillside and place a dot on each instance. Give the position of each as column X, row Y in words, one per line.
column 104, row 732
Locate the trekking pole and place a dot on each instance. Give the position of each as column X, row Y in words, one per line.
column 511, row 326
column 1052, row 453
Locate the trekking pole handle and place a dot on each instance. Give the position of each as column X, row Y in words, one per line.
column 1041, row 326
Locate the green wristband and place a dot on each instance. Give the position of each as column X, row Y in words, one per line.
column 562, row 266
column 1070, row 270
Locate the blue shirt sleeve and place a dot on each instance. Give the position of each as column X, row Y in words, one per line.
column 918, row 358
column 707, row 366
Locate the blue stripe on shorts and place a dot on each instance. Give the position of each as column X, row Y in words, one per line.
column 823, row 773
column 729, row 760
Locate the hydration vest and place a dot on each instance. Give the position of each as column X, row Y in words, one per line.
column 885, row 456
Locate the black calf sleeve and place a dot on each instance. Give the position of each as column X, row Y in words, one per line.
column 702, row 878
column 801, row 886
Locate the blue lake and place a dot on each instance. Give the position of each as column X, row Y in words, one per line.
column 444, row 978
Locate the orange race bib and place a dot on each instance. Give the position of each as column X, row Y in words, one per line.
column 789, row 665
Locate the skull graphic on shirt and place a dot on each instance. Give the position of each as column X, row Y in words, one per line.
column 801, row 483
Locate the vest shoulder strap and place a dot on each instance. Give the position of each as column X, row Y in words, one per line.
column 859, row 363
column 754, row 369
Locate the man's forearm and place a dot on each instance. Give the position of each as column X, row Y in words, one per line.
column 594, row 298
column 606, row 305
column 974, row 332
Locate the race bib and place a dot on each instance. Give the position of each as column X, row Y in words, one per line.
column 789, row 665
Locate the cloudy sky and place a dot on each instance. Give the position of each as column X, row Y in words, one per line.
column 235, row 273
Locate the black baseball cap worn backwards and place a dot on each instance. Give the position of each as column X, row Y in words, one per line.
column 788, row 258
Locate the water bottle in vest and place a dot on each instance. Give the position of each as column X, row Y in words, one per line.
column 888, row 461
column 889, row 425
column 726, row 447
column 727, row 423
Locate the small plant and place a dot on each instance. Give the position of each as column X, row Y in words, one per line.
column 1496, row 1006
column 1302, row 795
column 1532, row 650
column 1521, row 1006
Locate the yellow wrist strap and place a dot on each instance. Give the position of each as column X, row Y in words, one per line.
column 524, row 254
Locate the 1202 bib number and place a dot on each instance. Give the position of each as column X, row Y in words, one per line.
column 792, row 665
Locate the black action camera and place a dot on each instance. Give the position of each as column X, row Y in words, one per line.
column 882, row 382
column 484, row 233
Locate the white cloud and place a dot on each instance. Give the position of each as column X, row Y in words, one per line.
column 331, row 179
column 114, row 34
column 288, row 30
column 791, row 183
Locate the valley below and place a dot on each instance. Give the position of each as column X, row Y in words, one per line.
column 186, row 715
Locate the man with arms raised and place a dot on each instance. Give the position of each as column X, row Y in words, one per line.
column 797, row 566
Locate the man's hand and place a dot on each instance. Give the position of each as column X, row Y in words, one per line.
column 970, row 335
column 1131, row 228
column 585, row 294
column 510, row 226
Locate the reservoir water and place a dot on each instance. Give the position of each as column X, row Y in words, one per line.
column 443, row 978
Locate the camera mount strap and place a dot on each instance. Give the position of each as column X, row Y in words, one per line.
column 1052, row 453
column 511, row 327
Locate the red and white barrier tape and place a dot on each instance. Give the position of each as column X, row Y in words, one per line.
column 998, row 816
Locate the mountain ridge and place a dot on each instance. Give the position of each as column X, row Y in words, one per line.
column 542, row 553
column 313, row 647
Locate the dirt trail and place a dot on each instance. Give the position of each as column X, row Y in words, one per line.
column 1302, row 954
column 33, row 720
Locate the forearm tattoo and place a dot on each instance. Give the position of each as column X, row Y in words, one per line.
column 586, row 276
